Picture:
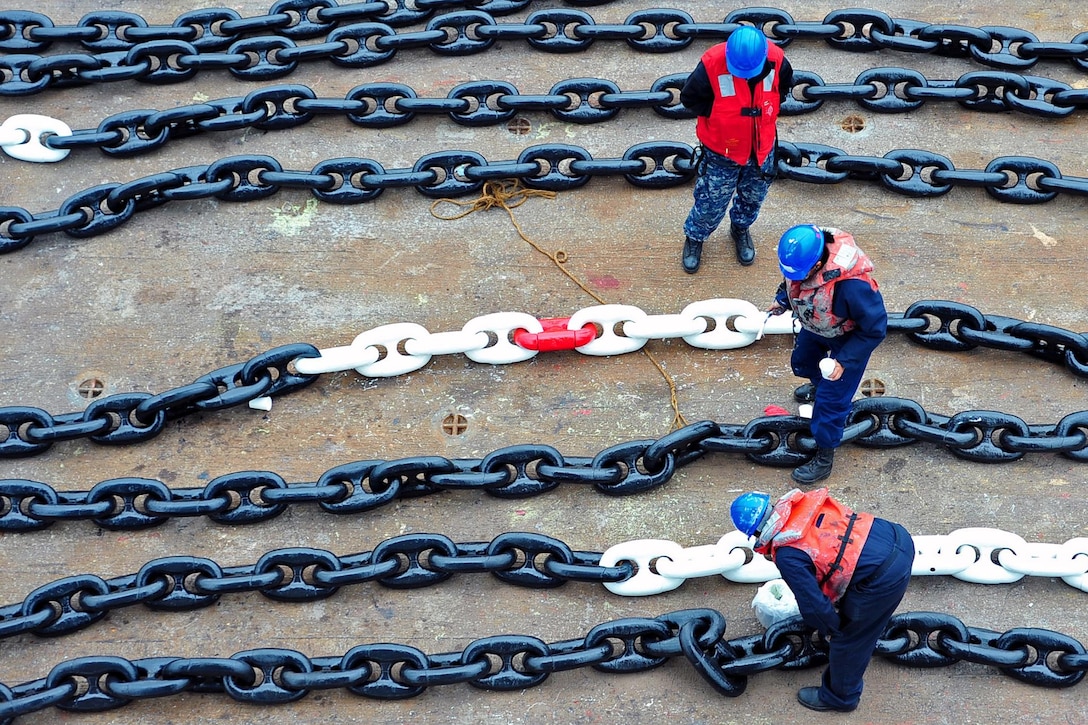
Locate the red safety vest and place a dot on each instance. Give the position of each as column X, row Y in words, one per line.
column 830, row 533
column 725, row 131
column 812, row 298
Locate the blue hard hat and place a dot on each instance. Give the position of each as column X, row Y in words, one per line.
column 799, row 249
column 745, row 52
column 748, row 511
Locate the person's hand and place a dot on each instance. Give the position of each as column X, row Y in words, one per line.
column 776, row 309
column 837, row 372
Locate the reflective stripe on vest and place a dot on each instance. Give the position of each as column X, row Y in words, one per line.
column 725, row 131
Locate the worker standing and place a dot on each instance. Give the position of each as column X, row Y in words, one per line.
column 736, row 91
column 829, row 286
column 848, row 571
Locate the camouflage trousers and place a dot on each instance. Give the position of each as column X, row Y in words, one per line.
column 720, row 180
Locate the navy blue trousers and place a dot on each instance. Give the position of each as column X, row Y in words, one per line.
column 864, row 612
column 833, row 397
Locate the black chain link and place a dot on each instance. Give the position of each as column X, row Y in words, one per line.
column 297, row 574
column 514, row 662
column 553, row 167
column 956, row 327
column 371, row 105
column 879, row 422
column 212, row 39
column 897, row 90
column 136, row 417
column 246, row 497
column 576, row 100
column 217, row 28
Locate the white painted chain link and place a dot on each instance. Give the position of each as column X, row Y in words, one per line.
column 21, row 137
column 978, row 555
column 403, row 347
column 399, row 348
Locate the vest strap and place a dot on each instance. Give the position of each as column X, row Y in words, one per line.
column 842, row 550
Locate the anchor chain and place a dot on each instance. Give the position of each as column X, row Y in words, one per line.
column 516, row 471
column 634, row 568
column 551, row 167
column 217, row 28
column 171, row 58
column 986, row 436
column 492, row 102
column 512, row 662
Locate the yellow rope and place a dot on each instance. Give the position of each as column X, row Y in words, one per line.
column 509, row 194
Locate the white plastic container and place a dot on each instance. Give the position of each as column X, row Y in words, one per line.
column 827, row 367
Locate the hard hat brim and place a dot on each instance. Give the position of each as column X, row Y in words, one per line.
column 795, row 275
column 740, row 72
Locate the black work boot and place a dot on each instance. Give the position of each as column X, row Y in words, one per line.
column 746, row 251
column 693, row 252
column 815, row 470
column 805, row 393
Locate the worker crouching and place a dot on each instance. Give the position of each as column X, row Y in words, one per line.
column 848, row 571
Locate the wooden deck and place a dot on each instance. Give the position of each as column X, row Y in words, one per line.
column 192, row 286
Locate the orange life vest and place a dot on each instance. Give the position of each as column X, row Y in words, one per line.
column 812, row 298
column 726, row 131
column 830, row 533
